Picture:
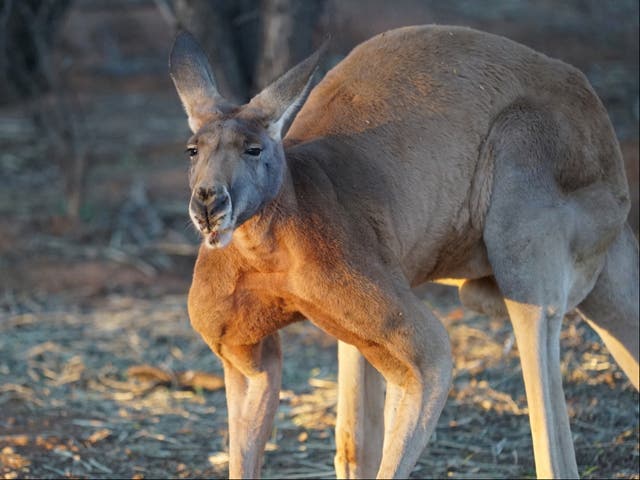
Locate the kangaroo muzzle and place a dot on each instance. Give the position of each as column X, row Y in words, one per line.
column 210, row 211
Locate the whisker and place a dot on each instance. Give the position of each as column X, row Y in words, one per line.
column 190, row 226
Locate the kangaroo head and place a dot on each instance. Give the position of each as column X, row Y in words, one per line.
column 236, row 155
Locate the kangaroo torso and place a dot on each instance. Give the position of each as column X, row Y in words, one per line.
column 403, row 128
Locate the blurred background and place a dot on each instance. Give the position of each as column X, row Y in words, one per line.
column 97, row 360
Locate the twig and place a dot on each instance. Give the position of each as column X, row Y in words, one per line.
column 60, row 473
column 460, row 446
column 122, row 257
column 99, row 466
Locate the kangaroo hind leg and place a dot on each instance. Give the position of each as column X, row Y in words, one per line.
column 546, row 248
column 612, row 306
column 360, row 415
column 533, row 274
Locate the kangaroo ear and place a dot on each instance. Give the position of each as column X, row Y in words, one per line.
column 281, row 101
column 191, row 74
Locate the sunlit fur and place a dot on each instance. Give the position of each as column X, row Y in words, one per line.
column 429, row 152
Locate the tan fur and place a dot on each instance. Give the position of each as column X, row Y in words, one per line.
column 429, row 152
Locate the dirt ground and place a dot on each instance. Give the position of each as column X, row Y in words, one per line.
column 116, row 387
column 101, row 375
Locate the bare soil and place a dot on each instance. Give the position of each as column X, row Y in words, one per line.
column 120, row 386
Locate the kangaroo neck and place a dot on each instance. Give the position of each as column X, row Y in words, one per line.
column 259, row 239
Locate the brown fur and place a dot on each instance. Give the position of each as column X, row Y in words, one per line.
column 389, row 179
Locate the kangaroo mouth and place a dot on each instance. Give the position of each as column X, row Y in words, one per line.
column 216, row 229
column 219, row 238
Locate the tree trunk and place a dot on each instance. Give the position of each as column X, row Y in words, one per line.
column 250, row 43
column 287, row 36
column 223, row 28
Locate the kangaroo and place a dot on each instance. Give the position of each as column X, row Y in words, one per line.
column 429, row 153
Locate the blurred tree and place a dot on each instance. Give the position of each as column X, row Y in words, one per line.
column 28, row 73
column 227, row 31
column 287, row 36
column 30, row 24
column 250, row 43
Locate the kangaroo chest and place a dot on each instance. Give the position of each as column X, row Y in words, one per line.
column 238, row 309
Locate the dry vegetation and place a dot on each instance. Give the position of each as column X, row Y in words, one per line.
column 124, row 388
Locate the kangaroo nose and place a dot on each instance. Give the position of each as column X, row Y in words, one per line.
column 219, row 203
column 204, row 194
column 213, row 199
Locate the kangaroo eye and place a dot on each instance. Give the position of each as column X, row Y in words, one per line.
column 253, row 151
column 191, row 151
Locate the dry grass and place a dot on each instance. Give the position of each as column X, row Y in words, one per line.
column 109, row 391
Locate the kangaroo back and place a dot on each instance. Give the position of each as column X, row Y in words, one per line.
column 417, row 107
